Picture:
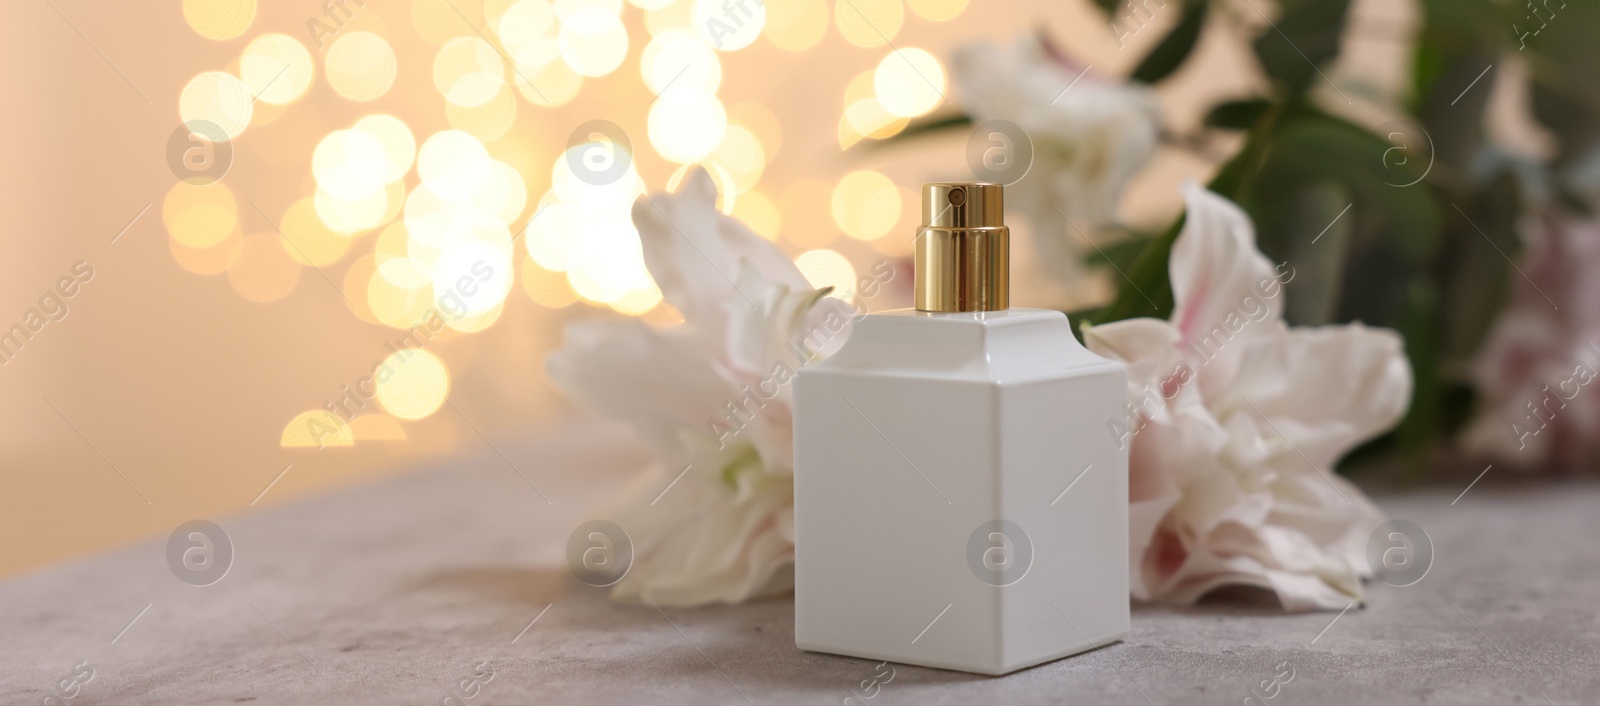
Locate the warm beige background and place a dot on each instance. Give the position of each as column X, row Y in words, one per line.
column 184, row 387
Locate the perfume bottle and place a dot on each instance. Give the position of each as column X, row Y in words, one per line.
column 961, row 498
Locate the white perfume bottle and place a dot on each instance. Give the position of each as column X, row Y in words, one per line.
column 961, row 500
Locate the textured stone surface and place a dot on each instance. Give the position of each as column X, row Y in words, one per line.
column 391, row 593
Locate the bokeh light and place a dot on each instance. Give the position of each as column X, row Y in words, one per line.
column 742, row 156
column 360, row 66
column 546, row 287
column 865, row 205
column 566, row 9
column 398, row 142
column 758, row 211
column 443, row 245
column 473, row 276
column 412, row 383
column 551, row 238
column 452, row 163
column 592, row 40
column 937, row 10
column 637, row 301
column 864, row 115
column 219, row 19
column 909, row 82
column 400, row 293
column 679, row 59
column 307, row 239
column 826, row 268
column 438, row 22
column 351, row 164
column 199, row 216
column 685, row 126
column 869, row 23
column 352, row 216
column 468, row 71
column 487, row 121
column 316, row 429
column 729, row 25
column 527, row 30
column 797, row 25
column 550, row 85
column 211, row 260
column 219, row 98
column 276, row 68
column 671, row 16
column 391, row 242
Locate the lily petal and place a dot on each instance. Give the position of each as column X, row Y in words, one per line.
column 694, row 252
column 660, row 383
column 1216, row 269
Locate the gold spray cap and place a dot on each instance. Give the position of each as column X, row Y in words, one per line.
column 962, row 259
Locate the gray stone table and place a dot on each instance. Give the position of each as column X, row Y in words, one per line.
column 393, row 592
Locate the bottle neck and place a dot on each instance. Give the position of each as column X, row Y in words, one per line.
column 962, row 269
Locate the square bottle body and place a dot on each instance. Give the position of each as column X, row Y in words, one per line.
column 961, row 494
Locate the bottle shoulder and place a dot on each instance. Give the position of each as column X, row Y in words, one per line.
column 1003, row 317
column 996, row 346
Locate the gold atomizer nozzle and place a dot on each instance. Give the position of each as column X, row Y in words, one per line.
column 962, row 254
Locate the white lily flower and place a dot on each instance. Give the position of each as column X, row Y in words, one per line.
column 1090, row 137
column 1236, row 421
column 714, row 520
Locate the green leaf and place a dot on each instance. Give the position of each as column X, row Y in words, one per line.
column 1320, row 227
column 1416, row 430
column 1238, row 115
column 1317, row 146
column 1118, row 253
column 1293, row 50
column 1477, row 272
column 1174, row 49
column 1145, row 289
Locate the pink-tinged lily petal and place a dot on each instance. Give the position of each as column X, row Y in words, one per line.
column 694, row 252
column 1216, row 271
column 1231, row 478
